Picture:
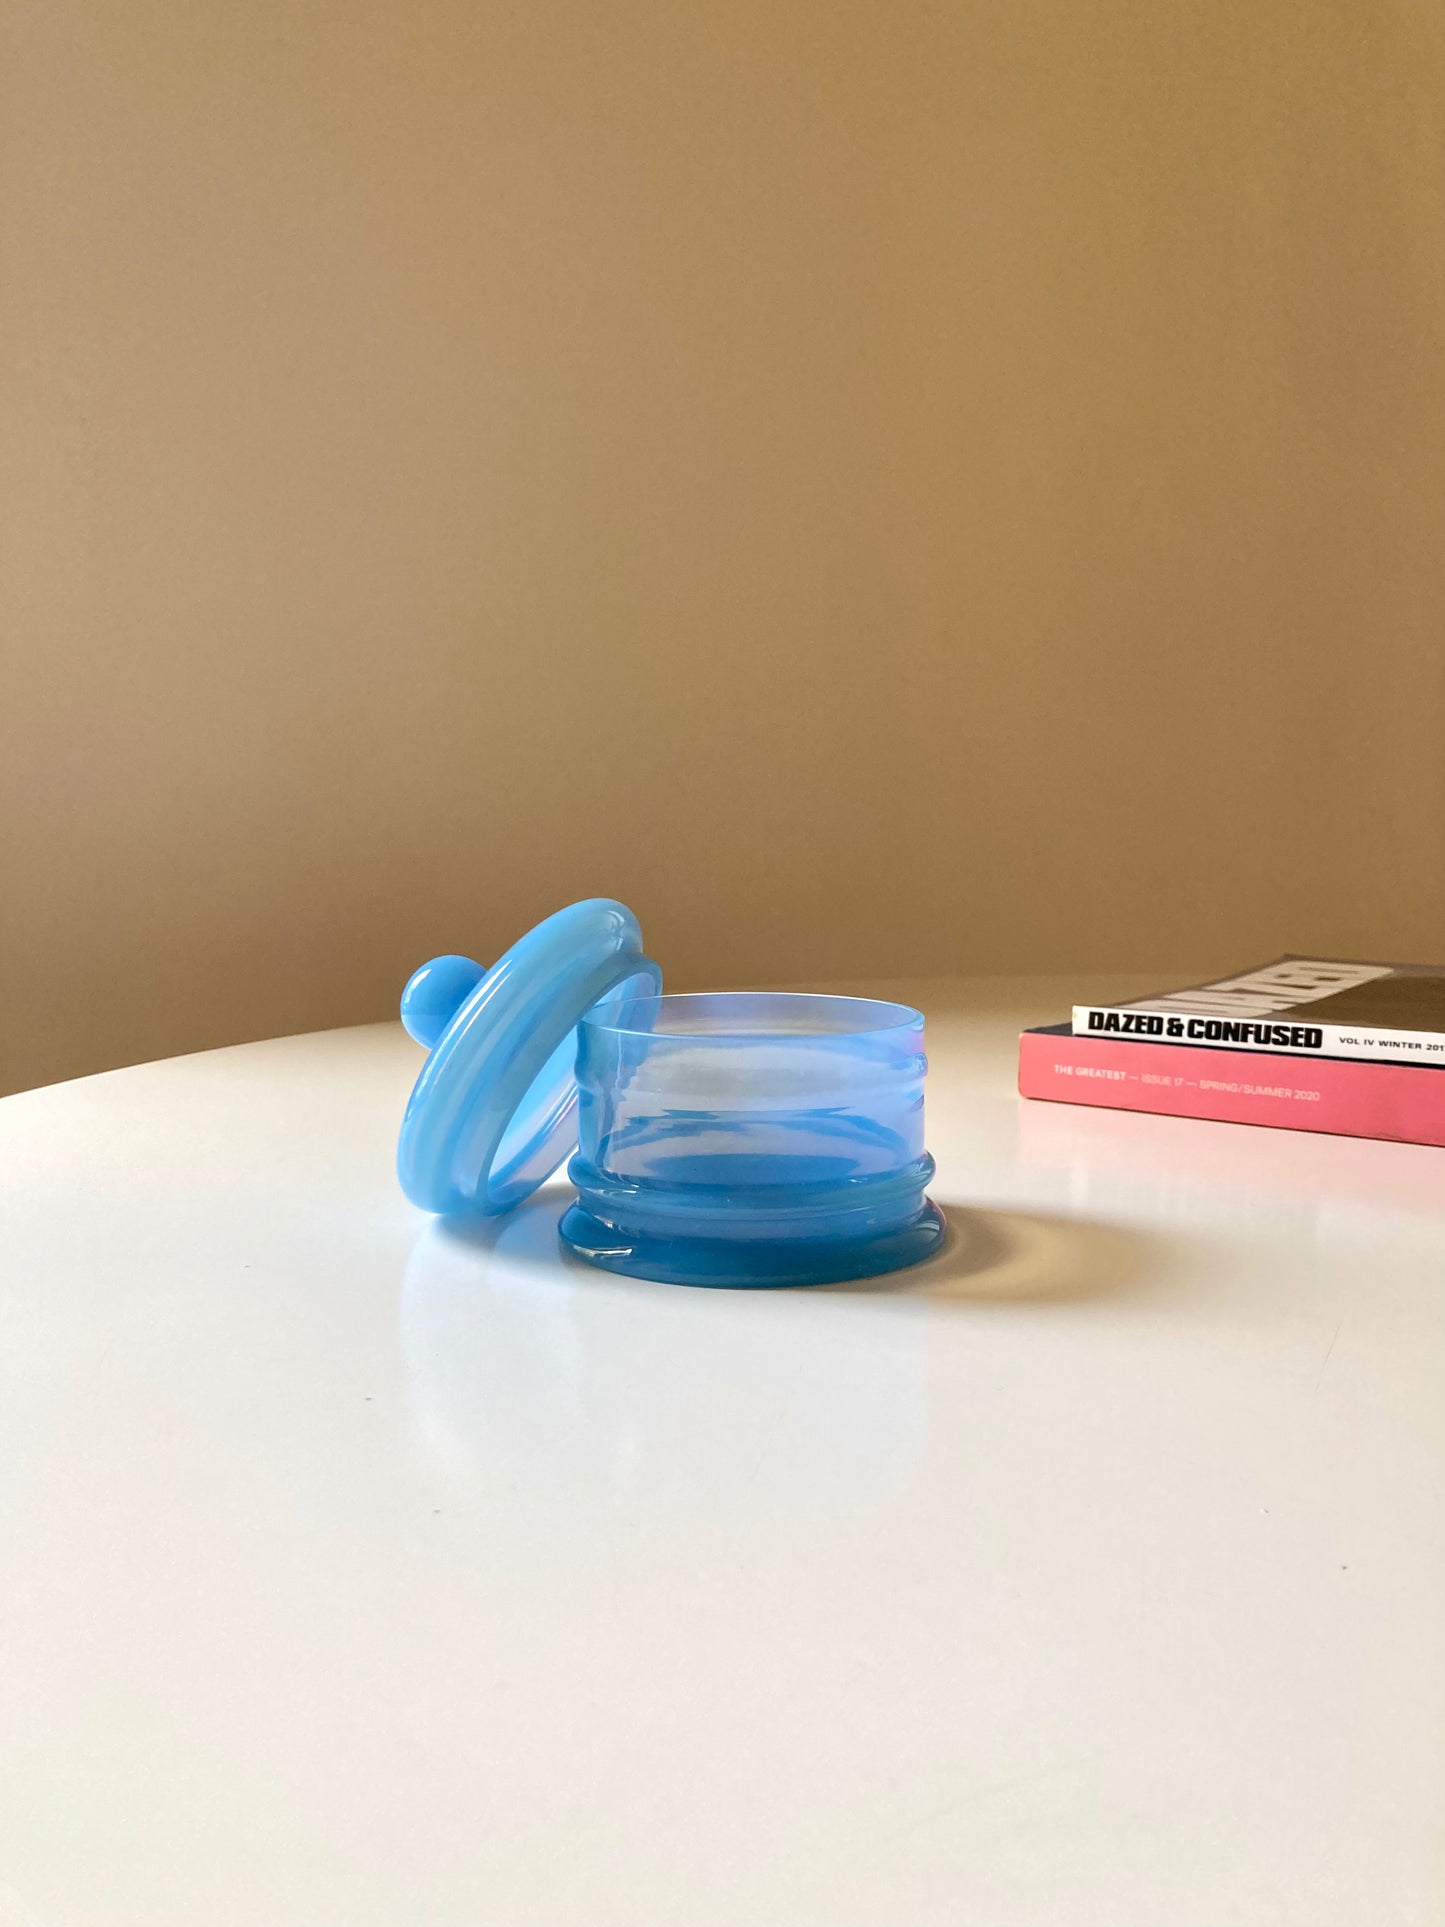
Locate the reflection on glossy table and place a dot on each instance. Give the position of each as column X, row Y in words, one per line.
column 357, row 1571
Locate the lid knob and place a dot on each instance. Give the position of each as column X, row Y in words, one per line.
column 435, row 993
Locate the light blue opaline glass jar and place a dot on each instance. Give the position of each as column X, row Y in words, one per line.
column 737, row 1138
column 751, row 1138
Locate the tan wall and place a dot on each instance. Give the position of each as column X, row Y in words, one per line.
column 902, row 487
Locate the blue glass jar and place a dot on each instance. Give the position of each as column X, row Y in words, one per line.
column 737, row 1138
column 751, row 1138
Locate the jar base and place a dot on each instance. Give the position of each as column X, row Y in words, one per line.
column 752, row 1264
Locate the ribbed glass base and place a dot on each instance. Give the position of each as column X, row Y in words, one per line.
column 752, row 1263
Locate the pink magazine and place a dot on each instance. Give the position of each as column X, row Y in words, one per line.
column 1345, row 1096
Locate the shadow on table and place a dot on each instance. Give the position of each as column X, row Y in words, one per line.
column 989, row 1256
column 1022, row 1256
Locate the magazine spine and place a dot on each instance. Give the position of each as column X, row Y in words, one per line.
column 1348, row 1098
column 1292, row 1035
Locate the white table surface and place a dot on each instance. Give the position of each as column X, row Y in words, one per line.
column 355, row 1572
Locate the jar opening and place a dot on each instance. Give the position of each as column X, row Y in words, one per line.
column 728, row 1016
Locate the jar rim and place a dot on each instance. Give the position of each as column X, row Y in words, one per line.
column 832, row 1016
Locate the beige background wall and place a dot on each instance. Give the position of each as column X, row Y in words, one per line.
column 890, row 487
